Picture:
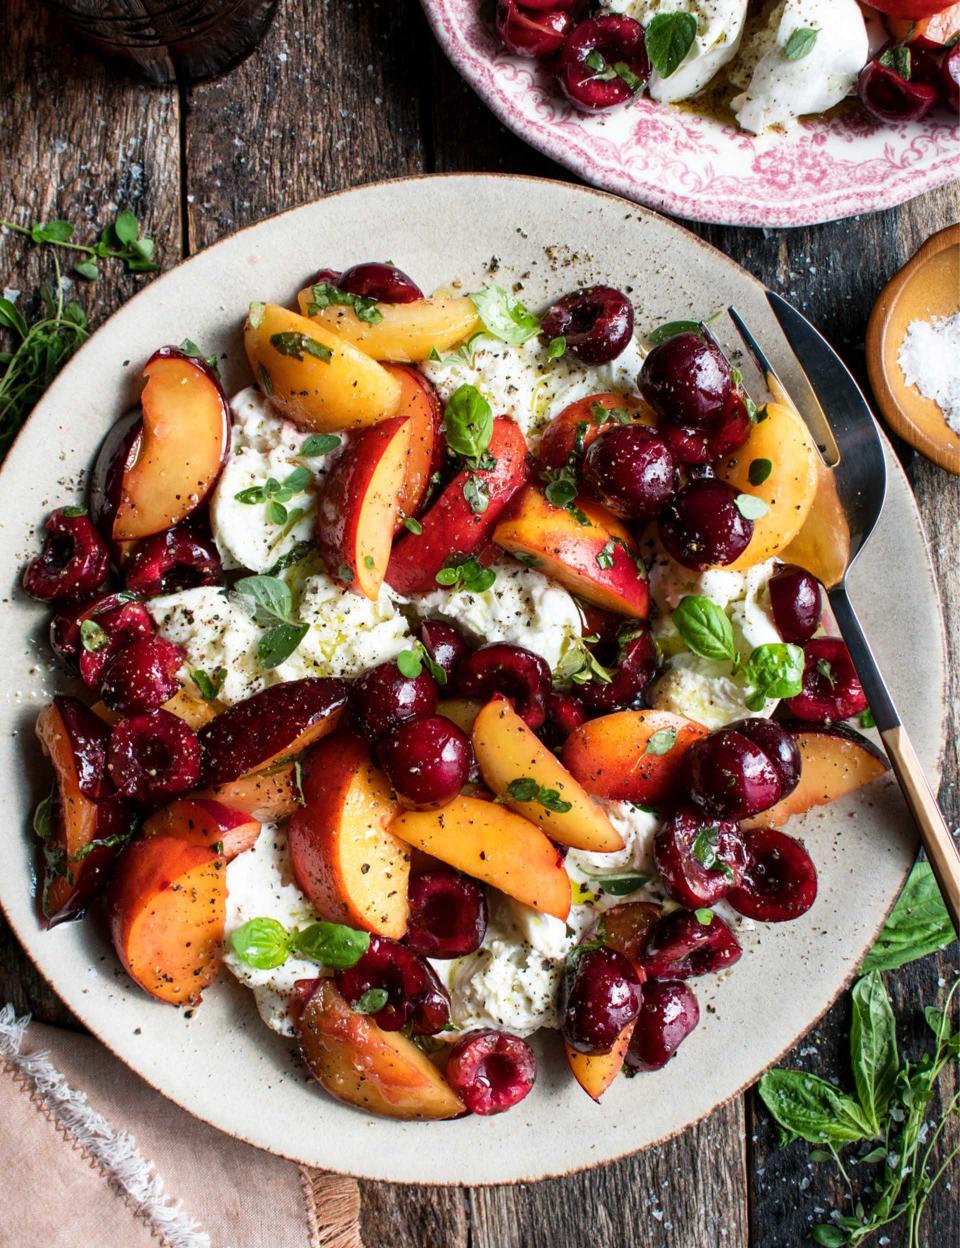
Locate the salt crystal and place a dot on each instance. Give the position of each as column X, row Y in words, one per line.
column 930, row 359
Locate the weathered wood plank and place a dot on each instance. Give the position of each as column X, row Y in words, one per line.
column 79, row 142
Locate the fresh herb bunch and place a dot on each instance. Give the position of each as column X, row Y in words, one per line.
column 121, row 240
column 885, row 1122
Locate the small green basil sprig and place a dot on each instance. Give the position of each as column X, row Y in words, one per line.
column 265, row 943
column 273, row 606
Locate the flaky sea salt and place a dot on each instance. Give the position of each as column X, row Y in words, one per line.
column 930, row 359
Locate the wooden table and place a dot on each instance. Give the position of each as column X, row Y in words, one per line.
column 345, row 93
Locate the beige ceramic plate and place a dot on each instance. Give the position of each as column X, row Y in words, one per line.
column 927, row 286
column 222, row 1064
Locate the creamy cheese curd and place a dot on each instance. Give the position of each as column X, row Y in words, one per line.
column 520, row 381
column 262, row 446
column 719, row 31
column 522, row 607
column 702, row 689
column 780, row 90
column 260, row 885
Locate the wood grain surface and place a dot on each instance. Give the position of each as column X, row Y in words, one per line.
column 345, row 93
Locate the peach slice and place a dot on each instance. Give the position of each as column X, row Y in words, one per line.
column 836, row 761
column 157, row 466
column 615, row 757
column 783, row 443
column 460, row 711
column 572, row 430
column 406, row 332
column 358, row 505
column 420, row 404
column 597, row 560
column 251, row 751
column 195, row 712
column 313, row 377
column 204, row 822
column 88, row 819
column 167, row 908
column 381, row 1072
column 494, row 845
column 350, row 866
column 506, row 750
column 596, row 1071
column 823, row 544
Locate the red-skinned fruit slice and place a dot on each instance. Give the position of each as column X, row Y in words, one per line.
column 88, row 819
column 684, row 945
column 596, row 1071
column 572, row 430
column 451, row 527
column 204, row 822
column 421, row 406
column 74, row 562
column 699, row 858
column 631, row 756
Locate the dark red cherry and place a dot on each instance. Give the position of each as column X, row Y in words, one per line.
column 778, row 745
column 667, row 1016
column 617, row 41
column 595, row 322
column 950, row 77
column 703, row 526
column 696, row 445
column 426, row 760
column 532, row 33
column 631, row 470
column 699, row 859
column 730, row 777
column 383, row 282
column 779, row 880
column 326, row 277
column 383, row 697
column 448, row 915
column 636, row 663
column 518, row 674
column 565, row 6
column 684, row 945
column 74, row 562
column 831, row 687
column 444, row 644
column 66, row 640
column 154, row 757
column 177, row 559
column 795, row 600
column 491, row 1071
column 106, row 635
column 141, row 676
column 565, row 711
column 688, row 381
column 599, row 996
column 891, row 95
column 415, row 997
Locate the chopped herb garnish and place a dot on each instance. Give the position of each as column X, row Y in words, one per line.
column 526, row 789
column 466, row 573
column 800, row 43
column 92, row 636
column 578, row 665
column 371, row 1001
column 319, row 444
column 706, row 851
column 297, row 345
column 661, row 742
column 561, row 490
column 209, row 684
column 751, row 507
column 759, row 470
column 412, row 525
column 556, row 348
column 273, row 606
column 476, row 493
column 323, row 295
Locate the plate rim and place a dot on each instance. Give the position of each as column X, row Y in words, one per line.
column 64, row 378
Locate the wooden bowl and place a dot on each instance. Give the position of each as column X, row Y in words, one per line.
column 927, row 286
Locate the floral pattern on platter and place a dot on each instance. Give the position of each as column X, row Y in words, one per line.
column 669, row 158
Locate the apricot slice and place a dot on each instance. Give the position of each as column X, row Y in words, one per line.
column 460, row 711
column 350, row 866
column 596, row 1071
column 631, row 756
column 507, row 751
column 204, row 822
column 494, row 845
column 167, row 908
column 588, row 551
column 313, row 377
column 835, row 761
column 380, row 1071
column 190, row 709
column 420, row 404
column 780, row 445
column 358, row 505
column 406, row 332
column 823, row 544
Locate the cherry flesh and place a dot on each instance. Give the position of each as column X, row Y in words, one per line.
column 889, row 96
column 600, row 995
column 448, row 915
column 682, row 947
column 74, row 562
column 627, row 927
column 831, row 687
column 779, row 880
column 383, row 282
column 491, row 1071
column 668, row 1014
column 730, row 777
column 518, row 674
column 636, row 665
column 699, row 860
column 703, row 526
column 795, row 600
column 170, row 561
column 618, row 41
column 415, row 997
column 631, row 470
column 596, row 323
column 427, row 761
column 383, row 697
column 154, row 756
column 444, row 644
column 778, row 745
column 141, row 676
column 532, row 34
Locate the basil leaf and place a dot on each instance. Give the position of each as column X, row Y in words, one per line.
column 503, row 316
column 759, row 470
column 827, row 1235
column 669, row 37
column 873, row 1048
column 528, row 790
column 271, row 596
column 409, row 664
column 812, row 1109
column 331, row 944
column 705, row 628
column 278, row 643
column 671, row 329
column 918, row 924
column 620, row 885
column 556, row 348
column 773, row 670
column 190, row 348
column 319, row 444
column 92, row 636
column 800, row 43
column 606, row 554
column 468, row 422
column 661, row 742
column 476, row 495
column 298, row 551
column 371, row 1001
column 751, row 507
column 262, row 943
column 43, row 818
column 276, row 512
column 364, row 308
column 297, row 345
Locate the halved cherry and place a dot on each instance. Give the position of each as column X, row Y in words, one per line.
column 667, row 1016
column 448, row 915
column 831, row 687
column 699, row 859
column 142, row 675
column 74, row 562
column 154, row 756
column 599, row 996
column 613, row 41
column 114, row 619
column 514, row 672
column 444, row 644
column 531, row 34
column 382, row 698
column 684, row 944
column 778, row 881
column 635, row 655
column 730, row 776
column 415, row 998
column 491, row 1071
column 180, row 558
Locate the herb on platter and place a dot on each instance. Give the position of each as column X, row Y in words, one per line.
column 503, row 316
column 209, row 683
column 466, row 573
column 410, row 663
column 273, row 606
column 670, row 330
column 800, row 43
column 319, row 444
column 561, row 490
column 468, row 423
column 526, row 789
column 704, row 627
column 265, row 943
column 618, row 883
column 579, row 666
column 661, row 742
column 324, row 295
column 298, row 345
column 751, row 507
column 276, row 493
column 606, row 71
column 669, row 38
column 191, row 349
column 773, row 670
